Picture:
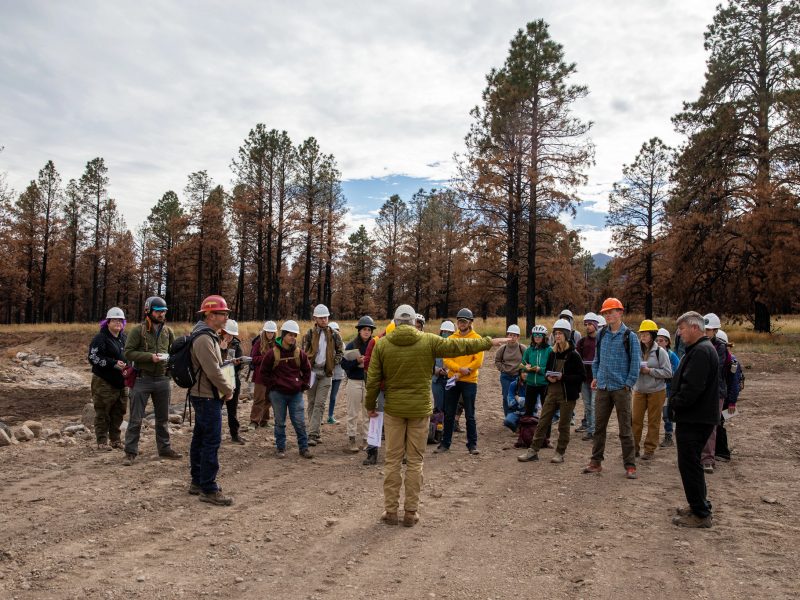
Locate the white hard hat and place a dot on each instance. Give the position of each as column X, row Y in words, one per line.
column 405, row 312
column 115, row 313
column 566, row 312
column 722, row 336
column 334, row 325
column 231, row 327
column 664, row 333
column 538, row 330
column 590, row 316
column 270, row 327
column 712, row 321
column 513, row 329
column 447, row 326
column 320, row 310
column 601, row 321
column 419, row 317
column 562, row 324
column 291, row 327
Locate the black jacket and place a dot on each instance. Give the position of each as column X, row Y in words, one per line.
column 573, row 373
column 694, row 393
column 351, row 367
column 722, row 355
column 104, row 352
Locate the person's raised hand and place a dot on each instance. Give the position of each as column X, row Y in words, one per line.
column 500, row 341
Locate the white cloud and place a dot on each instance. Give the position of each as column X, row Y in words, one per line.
column 596, row 239
column 163, row 89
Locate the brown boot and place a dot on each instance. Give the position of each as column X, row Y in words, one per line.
column 352, row 445
column 410, row 518
column 692, row 521
column 389, row 518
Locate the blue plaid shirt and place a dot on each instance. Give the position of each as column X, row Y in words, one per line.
column 611, row 367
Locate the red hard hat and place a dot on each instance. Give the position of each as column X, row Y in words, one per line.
column 214, row 303
column 610, row 304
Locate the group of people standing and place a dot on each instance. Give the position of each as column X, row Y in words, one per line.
column 422, row 383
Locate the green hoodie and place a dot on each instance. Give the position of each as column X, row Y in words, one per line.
column 403, row 361
column 537, row 357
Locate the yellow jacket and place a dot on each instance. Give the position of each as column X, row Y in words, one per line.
column 471, row 361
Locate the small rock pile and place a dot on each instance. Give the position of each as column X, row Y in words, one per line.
column 33, row 359
column 31, row 431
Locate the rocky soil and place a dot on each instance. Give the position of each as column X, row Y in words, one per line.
column 75, row 523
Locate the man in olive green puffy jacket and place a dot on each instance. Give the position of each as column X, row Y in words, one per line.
column 403, row 361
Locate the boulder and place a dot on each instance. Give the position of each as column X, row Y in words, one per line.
column 23, row 433
column 73, row 429
column 35, row 427
column 5, row 440
column 176, row 419
column 87, row 418
column 53, row 434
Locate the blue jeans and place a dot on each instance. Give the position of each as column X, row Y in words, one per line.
column 588, row 406
column 505, row 382
column 512, row 421
column 206, row 438
column 665, row 416
column 335, row 384
column 467, row 391
column 293, row 403
column 438, row 391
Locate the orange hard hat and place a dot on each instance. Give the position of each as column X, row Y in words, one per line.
column 214, row 303
column 610, row 304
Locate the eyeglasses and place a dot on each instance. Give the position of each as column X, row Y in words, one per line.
column 219, row 312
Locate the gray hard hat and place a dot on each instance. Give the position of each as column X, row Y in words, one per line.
column 465, row 313
column 365, row 321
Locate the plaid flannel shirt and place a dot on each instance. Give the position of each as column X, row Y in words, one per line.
column 611, row 367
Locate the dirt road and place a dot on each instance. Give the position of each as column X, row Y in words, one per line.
column 77, row 524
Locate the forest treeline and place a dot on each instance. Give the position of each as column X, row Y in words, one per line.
column 712, row 224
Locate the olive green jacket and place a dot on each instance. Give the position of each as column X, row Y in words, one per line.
column 403, row 361
column 142, row 344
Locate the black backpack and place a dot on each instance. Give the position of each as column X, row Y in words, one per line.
column 179, row 364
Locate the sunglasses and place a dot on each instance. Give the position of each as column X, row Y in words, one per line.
column 220, row 312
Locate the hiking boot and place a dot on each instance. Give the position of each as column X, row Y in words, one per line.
column 473, row 450
column 667, row 441
column 440, row 449
column 372, row 457
column 280, row 454
column 530, row 456
column 217, row 498
column 593, row 467
column 117, row 445
column 332, row 421
column 692, row 521
column 352, row 445
column 103, row 447
column 648, row 456
column 410, row 518
column 128, row 460
column 580, row 429
column 709, row 469
column 306, row 453
column 389, row 518
column 313, row 441
column 194, row 489
column 170, row 454
column 684, row 511
column 238, row 440
column 630, row 473
column 266, row 425
column 557, row 459
column 587, row 437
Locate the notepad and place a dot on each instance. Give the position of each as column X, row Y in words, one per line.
column 374, row 432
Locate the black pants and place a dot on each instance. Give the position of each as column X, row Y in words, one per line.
column 232, row 406
column 721, row 450
column 690, row 438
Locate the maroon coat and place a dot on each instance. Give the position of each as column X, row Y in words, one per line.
column 286, row 377
column 258, row 357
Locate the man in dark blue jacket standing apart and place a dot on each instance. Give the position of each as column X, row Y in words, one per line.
column 694, row 408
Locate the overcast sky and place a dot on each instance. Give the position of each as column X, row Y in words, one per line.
column 162, row 89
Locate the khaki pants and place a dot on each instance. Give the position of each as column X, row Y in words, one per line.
column 259, row 413
column 357, row 417
column 652, row 404
column 317, row 400
column 404, row 437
